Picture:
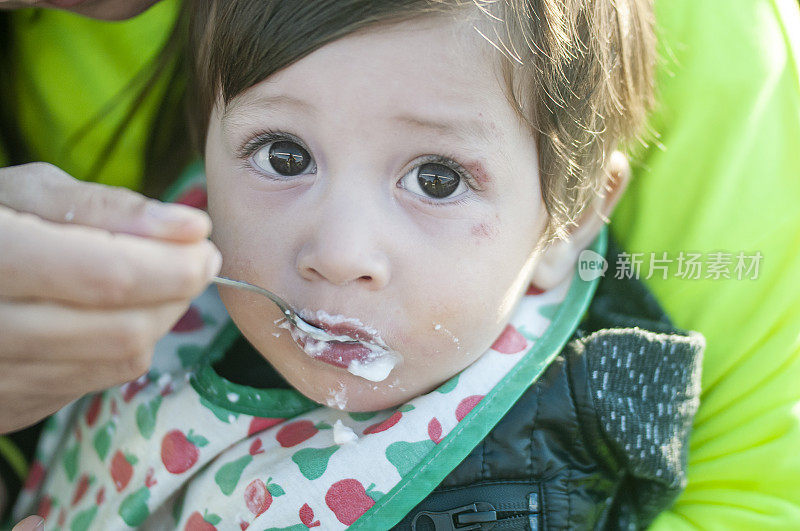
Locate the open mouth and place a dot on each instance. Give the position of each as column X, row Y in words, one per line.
column 358, row 349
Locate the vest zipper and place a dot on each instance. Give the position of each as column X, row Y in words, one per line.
column 475, row 516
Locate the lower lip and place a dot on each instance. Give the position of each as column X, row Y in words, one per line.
column 373, row 364
column 342, row 354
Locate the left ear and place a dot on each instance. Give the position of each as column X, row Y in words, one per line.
column 558, row 259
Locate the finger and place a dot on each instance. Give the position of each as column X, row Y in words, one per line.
column 50, row 193
column 31, row 523
column 87, row 266
column 56, row 382
column 123, row 339
column 23, row 409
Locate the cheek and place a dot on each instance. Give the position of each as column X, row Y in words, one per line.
column 487, row 229
column 483, row 230
column 458, row 322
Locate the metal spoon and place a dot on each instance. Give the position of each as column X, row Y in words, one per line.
column 287, row 310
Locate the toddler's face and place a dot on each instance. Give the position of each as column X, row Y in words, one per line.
column 383, row 178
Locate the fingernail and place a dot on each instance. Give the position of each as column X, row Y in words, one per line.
column 176, row 221
column 164, row 213
column 214, row 263
column 31, row 523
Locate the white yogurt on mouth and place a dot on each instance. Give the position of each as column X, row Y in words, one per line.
column 375, row 366
column 376, row 370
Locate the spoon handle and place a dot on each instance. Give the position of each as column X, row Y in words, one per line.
column 285, row 308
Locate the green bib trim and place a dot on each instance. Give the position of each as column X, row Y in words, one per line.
column 283, row 403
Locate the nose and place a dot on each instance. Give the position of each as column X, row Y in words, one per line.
column 344, row 246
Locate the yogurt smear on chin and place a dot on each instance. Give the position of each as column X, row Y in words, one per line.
column 370, row 360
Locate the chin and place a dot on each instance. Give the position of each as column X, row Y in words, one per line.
column 352, row 394
column 346, row 392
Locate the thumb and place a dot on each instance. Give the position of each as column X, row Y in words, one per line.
column 31, row 523
column 52, row 194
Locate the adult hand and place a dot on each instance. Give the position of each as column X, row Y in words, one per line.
column 90, row 278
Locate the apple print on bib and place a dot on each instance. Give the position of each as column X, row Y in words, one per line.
column 180, row 452
column 161, row 452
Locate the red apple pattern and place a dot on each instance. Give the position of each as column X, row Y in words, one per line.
column 180, row 452
column 296, row 432
column 258, row 424
column 45, row 506
column 435, row 430
column 257, row 497
column 348, row 500
column 384, row 425
column 132, row 388
column 466, row 405
column 200, row 522
column 93, row 411
column 306, row 514
column 510, row 341
column 81, row 488
column 35, row 476
column 122, row 469
column 391, row 421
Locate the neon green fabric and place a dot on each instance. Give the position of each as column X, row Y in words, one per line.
column 69, row 68
column 727, row 178
column 12, row 454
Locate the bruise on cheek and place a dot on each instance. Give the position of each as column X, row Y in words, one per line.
column 478, row 173
column 482, row 230
column 485, row 229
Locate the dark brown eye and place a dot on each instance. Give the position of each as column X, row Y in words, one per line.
column 437, row 180
column 288, row 158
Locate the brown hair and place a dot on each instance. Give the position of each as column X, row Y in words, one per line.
column 578, row 72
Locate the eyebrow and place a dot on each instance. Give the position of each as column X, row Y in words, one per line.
column 239, row 106
column 464, row 130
